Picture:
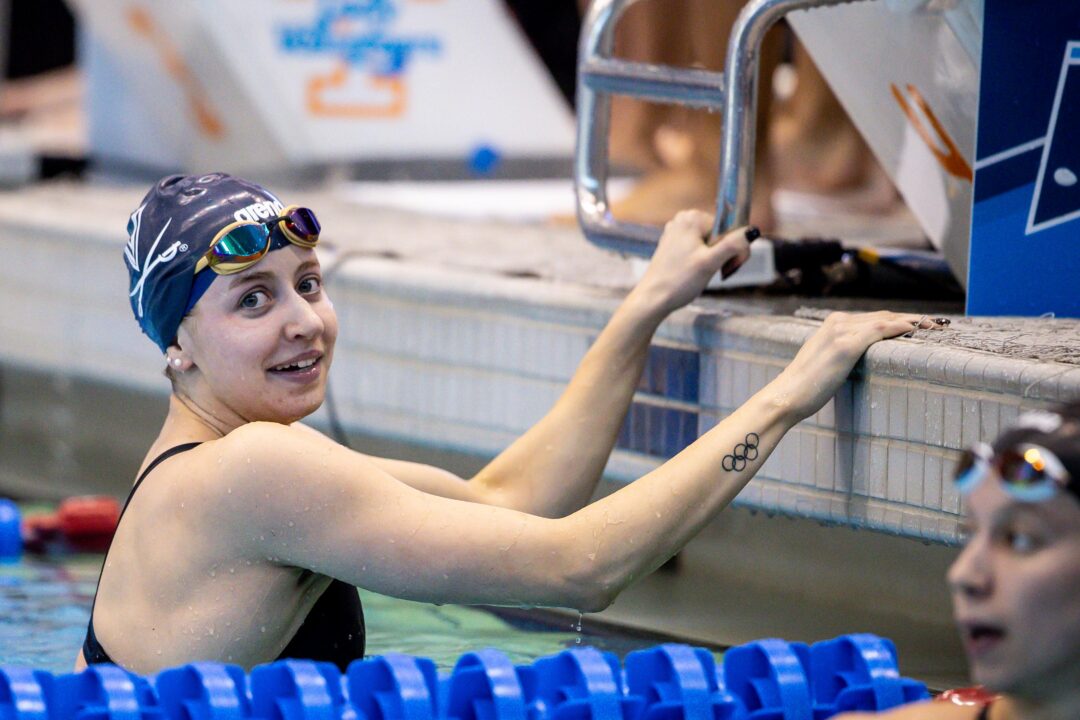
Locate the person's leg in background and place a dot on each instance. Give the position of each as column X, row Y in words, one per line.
column 815, row 148
column 807, row 143
column 678, row 148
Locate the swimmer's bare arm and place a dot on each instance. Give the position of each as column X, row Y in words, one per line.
column 553, row 468
column 318, row 506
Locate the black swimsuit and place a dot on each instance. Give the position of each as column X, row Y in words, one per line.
column 333, row 630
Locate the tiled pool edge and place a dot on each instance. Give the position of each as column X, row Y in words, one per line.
column 469, row 369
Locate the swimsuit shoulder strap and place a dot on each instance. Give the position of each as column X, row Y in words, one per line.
column 176, row 450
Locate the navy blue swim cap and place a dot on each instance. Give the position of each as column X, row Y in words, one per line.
column 168, row 234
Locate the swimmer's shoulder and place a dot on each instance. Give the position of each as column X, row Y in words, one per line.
column 268, row 457
column 928, row 710
column 268, row 448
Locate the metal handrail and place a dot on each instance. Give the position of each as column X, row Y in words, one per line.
column 734, row 92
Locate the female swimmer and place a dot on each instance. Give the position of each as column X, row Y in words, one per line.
column 247, row 532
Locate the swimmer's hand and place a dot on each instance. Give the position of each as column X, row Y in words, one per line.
column 687, row 257
column 828, row 356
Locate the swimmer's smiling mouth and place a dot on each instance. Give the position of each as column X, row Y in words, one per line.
column 308, row 361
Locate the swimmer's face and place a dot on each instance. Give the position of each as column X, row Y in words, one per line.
column 261, row 341
column 1016, row 592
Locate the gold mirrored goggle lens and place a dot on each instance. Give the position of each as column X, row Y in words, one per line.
column 239, row 245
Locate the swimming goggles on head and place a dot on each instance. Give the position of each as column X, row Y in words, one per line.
column 1030, row 473
column 241, row 244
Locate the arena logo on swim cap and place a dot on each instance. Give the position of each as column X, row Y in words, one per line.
column 259, row 211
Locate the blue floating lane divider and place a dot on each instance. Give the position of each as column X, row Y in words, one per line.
column 679, row 682
column 10, row 531
column 297, row 690
column 859, row 672
column 203, row 691
column 22, row 694
column 582, row 684
column 101, row 692
column 485, row 686
column 394, row 687
column 764, row 680
column 770, row 677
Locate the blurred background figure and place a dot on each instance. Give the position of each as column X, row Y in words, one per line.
column 41, row 99
column 805, row 141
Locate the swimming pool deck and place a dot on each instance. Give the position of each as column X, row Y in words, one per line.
column 459, row 334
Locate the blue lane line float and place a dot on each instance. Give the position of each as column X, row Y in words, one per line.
column 10, row 531
column 859, row 672
column 485, row 686
column 298, row 690
column 582, row 684
column 101, row 692
column 678, row 682
column 764, row 680
column 393, row 687
column 202, row 691
column 770, row 677
column 22, row 694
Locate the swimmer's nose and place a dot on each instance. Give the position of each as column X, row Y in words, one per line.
column 970, row 574
column 302, row 321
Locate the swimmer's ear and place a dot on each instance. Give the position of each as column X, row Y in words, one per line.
column 177, row 359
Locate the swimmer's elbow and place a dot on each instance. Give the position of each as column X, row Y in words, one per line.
column 588, row 588
column 596, row 601
column 585, row 598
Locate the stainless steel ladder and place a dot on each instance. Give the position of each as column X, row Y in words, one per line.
column 733, row 92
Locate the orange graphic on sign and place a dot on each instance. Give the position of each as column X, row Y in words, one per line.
column 206, row 120
column 392, row 85
column 950, row 158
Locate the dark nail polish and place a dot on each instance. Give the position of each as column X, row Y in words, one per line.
column 752, row 233
column 729, row 268
column 943, row 321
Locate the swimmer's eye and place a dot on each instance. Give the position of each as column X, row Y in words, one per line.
column 1019, row 541
column 254, row 300
column 309, row 285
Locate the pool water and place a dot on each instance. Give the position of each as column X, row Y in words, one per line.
column 45, row 605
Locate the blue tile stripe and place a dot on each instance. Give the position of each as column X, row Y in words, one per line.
column 653, row 426
column 672, row 373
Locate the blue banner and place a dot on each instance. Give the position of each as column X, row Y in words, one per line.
column 1025, row 234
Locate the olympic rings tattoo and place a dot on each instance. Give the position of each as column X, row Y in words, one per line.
column 744, row 451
